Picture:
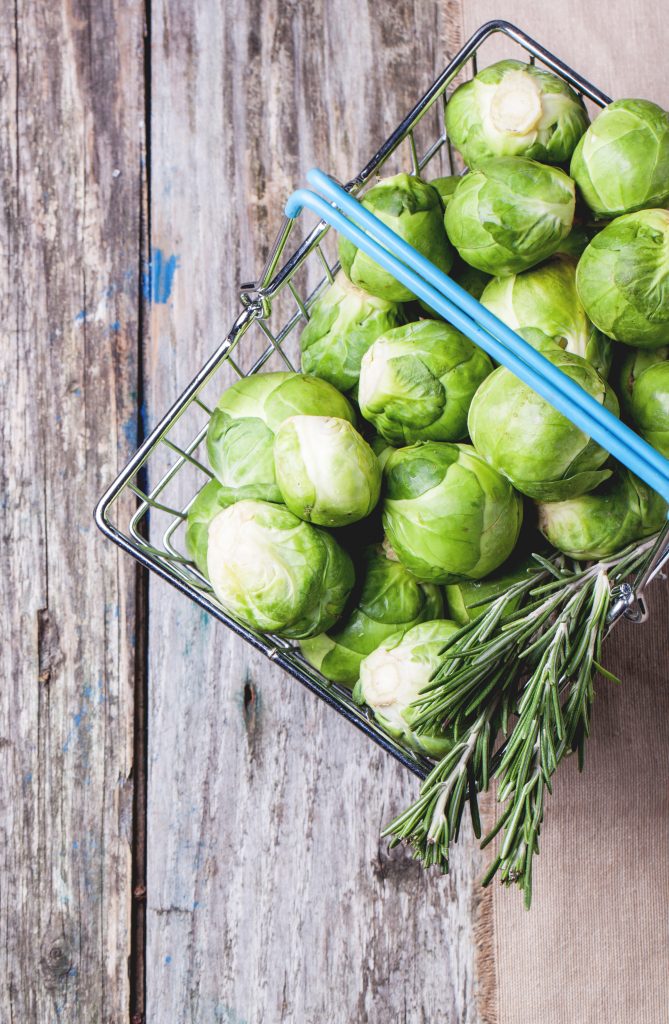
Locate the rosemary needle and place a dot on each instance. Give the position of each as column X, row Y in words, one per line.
column 530, row 658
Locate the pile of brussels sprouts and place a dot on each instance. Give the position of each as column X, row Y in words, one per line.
column 366, row 506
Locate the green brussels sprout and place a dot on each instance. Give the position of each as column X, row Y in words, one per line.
column 240, row 438
column 471, row 598
column 417, row 381
column 539, row 450
column 326, row 472
column 447, row 514
column 208, row 503
column 412, row 209
column 392, row 676
column 390, row 600
column 276, row 573
column 469, row 278
column 510, row 214
column 515, row 109
column 446, row 187
column 621, row 164
column 382, row 449
column 644, row 395
column 622, row 510
column 543, row 303
column 344, row 322
column 623, row 279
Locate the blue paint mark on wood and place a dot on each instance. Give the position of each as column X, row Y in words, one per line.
column 87, row 857
column 129, row 431
column 224, row 1014
column 82, row 719
column 76, row 729
column 159, row 276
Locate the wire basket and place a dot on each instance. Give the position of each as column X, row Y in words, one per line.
column 144, row 510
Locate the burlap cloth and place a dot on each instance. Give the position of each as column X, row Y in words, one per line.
column 594, row 949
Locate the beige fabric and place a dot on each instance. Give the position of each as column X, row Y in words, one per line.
column 595, row 946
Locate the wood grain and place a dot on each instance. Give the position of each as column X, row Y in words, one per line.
column 270, row 896
column 70, row 161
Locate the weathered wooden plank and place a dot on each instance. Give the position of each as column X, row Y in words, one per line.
column 270, row 896
column 70, row 159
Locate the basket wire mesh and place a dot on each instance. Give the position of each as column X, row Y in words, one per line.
column 145, row 509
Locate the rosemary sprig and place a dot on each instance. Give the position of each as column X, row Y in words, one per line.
column 433, row 822
column 532, row 656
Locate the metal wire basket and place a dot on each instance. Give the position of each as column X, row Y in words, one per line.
column 144, row 510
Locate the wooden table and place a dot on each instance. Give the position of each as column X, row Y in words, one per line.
column 186, row 833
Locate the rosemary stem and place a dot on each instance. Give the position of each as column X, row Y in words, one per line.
column 516, row 685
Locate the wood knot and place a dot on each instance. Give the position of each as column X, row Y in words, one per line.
column 396, row 865
column 50, row 655
column 57, row 961
column 250, row 707
column 249, row 699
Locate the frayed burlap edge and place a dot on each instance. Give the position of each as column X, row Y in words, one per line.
column 485, row 947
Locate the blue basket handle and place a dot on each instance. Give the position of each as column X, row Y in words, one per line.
column 349, row 218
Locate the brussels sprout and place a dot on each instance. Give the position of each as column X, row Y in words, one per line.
column 446, row 187
column 539, row 450
column 344, row 323
column 595, row 525
column 510, row 214
column 621, row 164
column 515, row 109
column 417, row 381
column 208, row 503
column 240, row 439
column 412, row 209
column 382, row 449
column 644, row 395
column 392, row 676
column 471, row 598
column 469, row 278
column 391, row 600
column 448, row 515
column 543, row 304
column 623, row 279
column 326, row 472
column 276, row 573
